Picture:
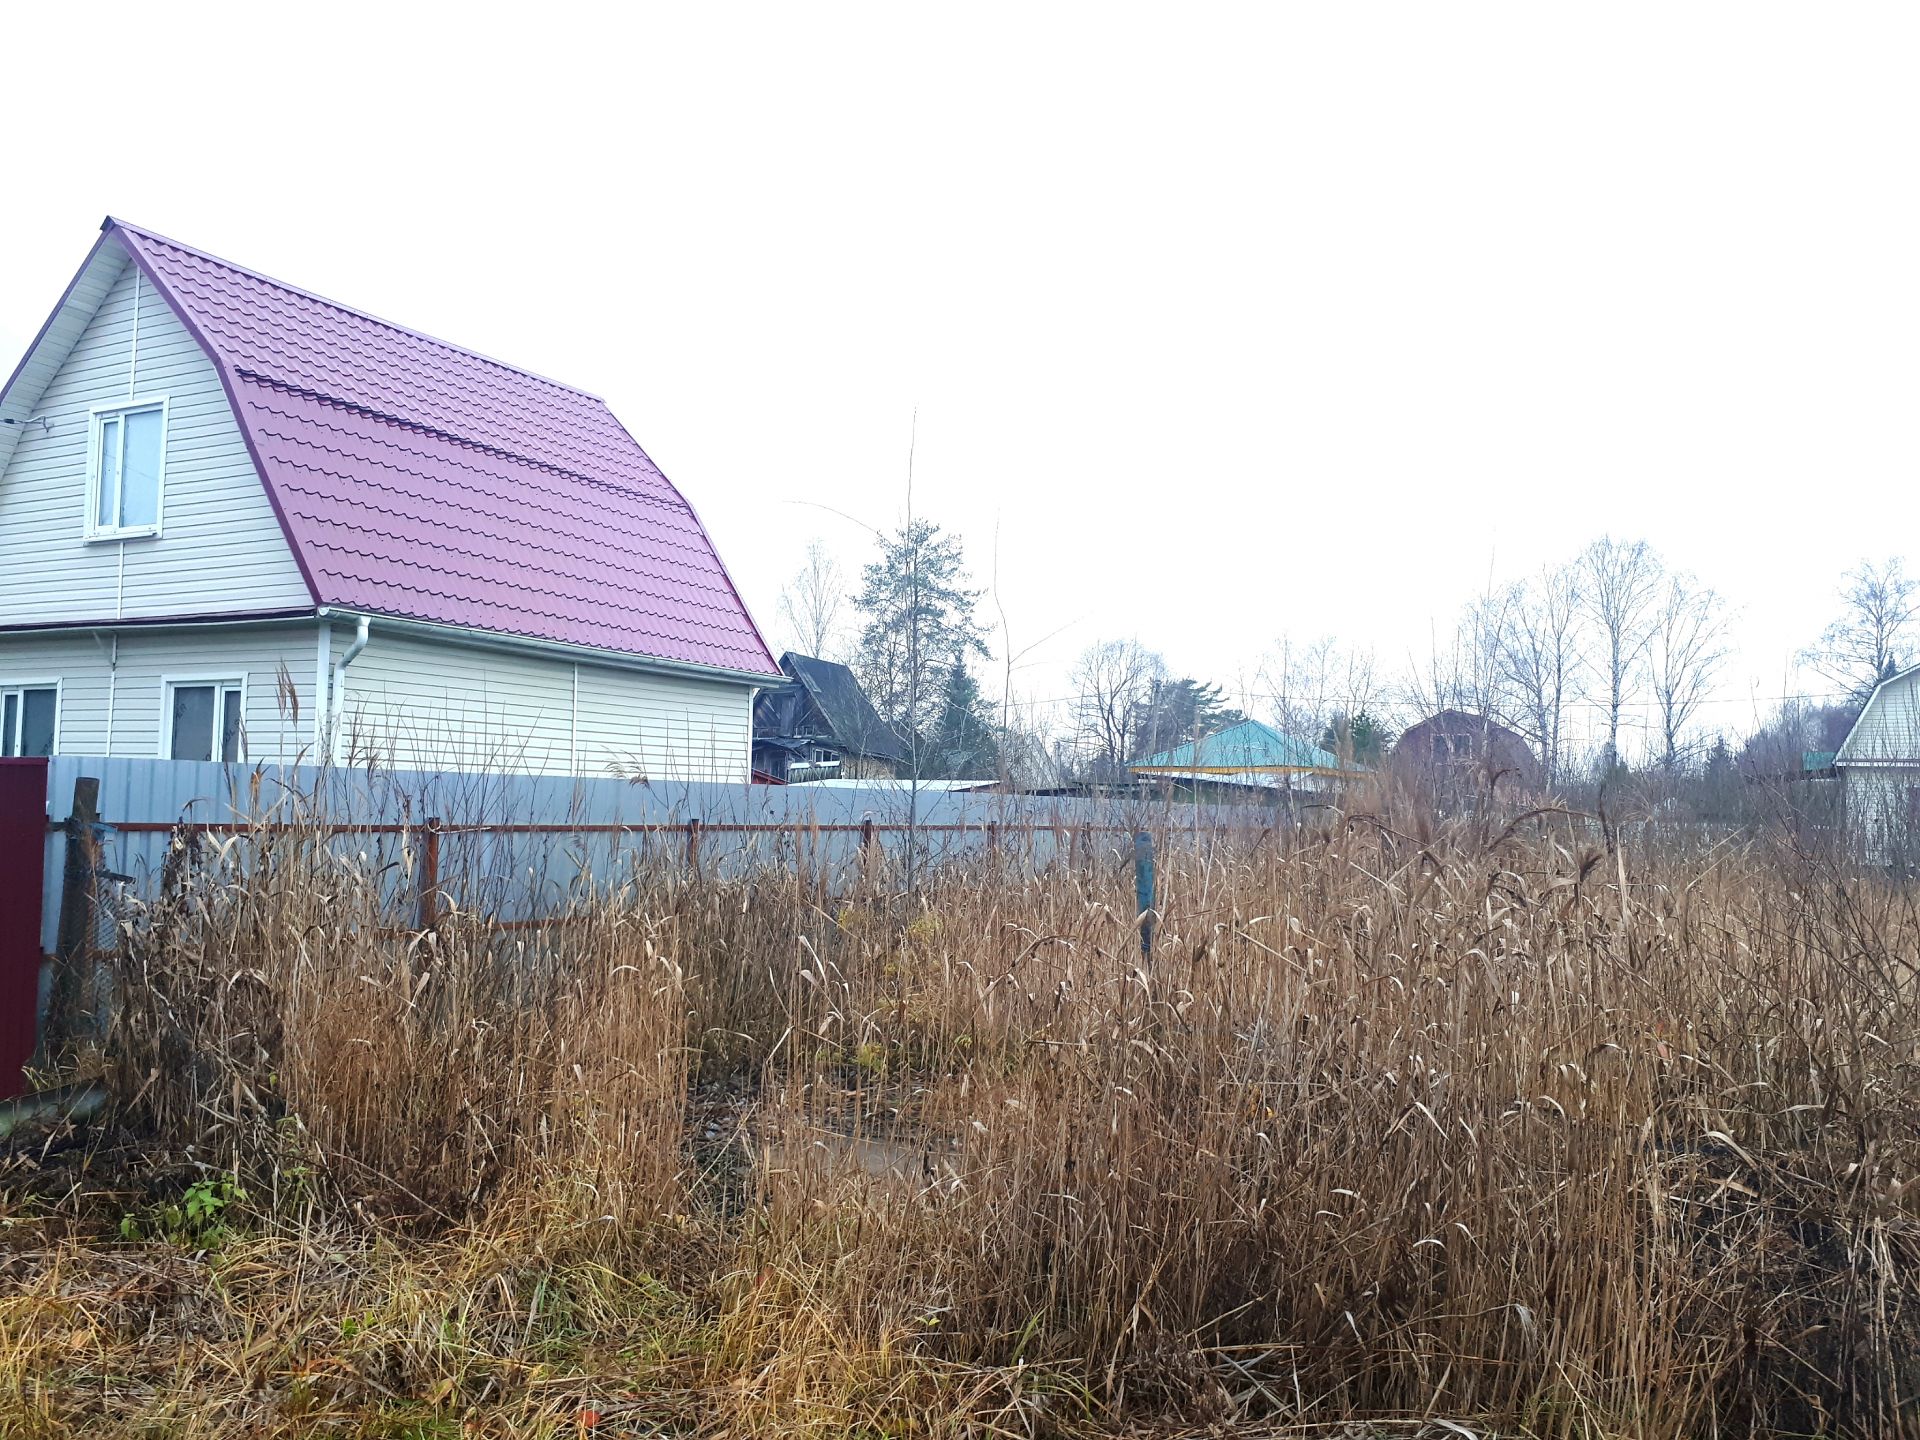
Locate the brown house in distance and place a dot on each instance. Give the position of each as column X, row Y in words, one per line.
column 1457, row 750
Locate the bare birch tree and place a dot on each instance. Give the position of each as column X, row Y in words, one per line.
column 1308, row 686
column 1114, row 682
column 1463, row 671
column 1539, row 649
column 1875, row 629
column 1620, row 588
column 814, row 602
column 1684, row 657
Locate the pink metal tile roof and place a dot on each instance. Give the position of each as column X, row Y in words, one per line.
column 419, row 480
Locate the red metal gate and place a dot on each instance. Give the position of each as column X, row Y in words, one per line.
column 23, row 851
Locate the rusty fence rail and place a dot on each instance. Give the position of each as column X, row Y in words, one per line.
column 1070, row 841
column 522, row 849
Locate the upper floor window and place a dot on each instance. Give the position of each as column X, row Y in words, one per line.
column 27, row 718
column 126, row 469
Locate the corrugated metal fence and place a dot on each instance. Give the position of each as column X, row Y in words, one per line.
column 518, row 845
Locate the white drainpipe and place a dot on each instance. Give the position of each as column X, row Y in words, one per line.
column 339, row 688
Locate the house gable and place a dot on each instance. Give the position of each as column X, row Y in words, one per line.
column 1888, row 730
column 843, row 708
column 220, row 550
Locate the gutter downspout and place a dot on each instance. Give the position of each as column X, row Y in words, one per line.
column 339, row 688
column 753, row 695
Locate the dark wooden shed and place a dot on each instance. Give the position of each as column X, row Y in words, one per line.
column 1456, row 749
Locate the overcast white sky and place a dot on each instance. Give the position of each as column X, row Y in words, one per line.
column 1228, row 321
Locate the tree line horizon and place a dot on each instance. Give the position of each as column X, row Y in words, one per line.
column 1613, row 631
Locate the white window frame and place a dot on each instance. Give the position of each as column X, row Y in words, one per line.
column 96, row 415
column 221, row 683
column 10, row 686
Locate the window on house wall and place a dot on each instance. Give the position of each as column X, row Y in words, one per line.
column 125, row 470
column 203, row 720
column 27, row 719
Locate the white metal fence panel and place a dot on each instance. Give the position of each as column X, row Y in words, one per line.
column 520, row 868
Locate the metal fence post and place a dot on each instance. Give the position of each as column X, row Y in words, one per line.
column 429, row 908
column 1143, row 889
column 76, row 894
column 73, row 943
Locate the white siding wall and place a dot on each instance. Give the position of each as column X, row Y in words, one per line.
column 1880, row 763
column 221, row 549
column 418, row 703
column 94, row 684
column 1889, row 728
column 664, row 726
column 1883, row 812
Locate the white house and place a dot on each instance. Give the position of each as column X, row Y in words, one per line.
column 238, row 521
column 1879, row 765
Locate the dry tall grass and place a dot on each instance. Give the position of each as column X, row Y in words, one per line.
column 273, row 1009
column 1484, row 1126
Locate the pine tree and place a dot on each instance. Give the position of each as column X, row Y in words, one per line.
column 962, row 745
column 1182, row 710
column 919, row 624
column 1720, row 765
column 1358, row 738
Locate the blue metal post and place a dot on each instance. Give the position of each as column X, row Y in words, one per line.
column 1143, row 889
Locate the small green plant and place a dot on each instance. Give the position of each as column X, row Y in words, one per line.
column 195, row 1220
column 206, row 1199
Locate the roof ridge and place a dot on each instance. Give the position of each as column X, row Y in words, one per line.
column 115, row 222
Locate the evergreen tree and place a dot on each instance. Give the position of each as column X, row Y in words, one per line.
column 962, row 745
column 1357, row 738
column 1181, row 710
column 919, row 623
column 1720, row 764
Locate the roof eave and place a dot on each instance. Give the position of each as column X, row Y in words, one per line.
column 242, row 416
column 10, row 393
column 1244, row 770
column 753, row 624
column 174, row 621
column 565, row 649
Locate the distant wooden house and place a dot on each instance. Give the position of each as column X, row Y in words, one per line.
column 1249, row 757
column 820, row 725
column 1879, row 768
column 1456, row 750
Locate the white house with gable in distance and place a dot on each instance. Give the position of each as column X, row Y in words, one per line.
column 1879, row 765
column 241, row 522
